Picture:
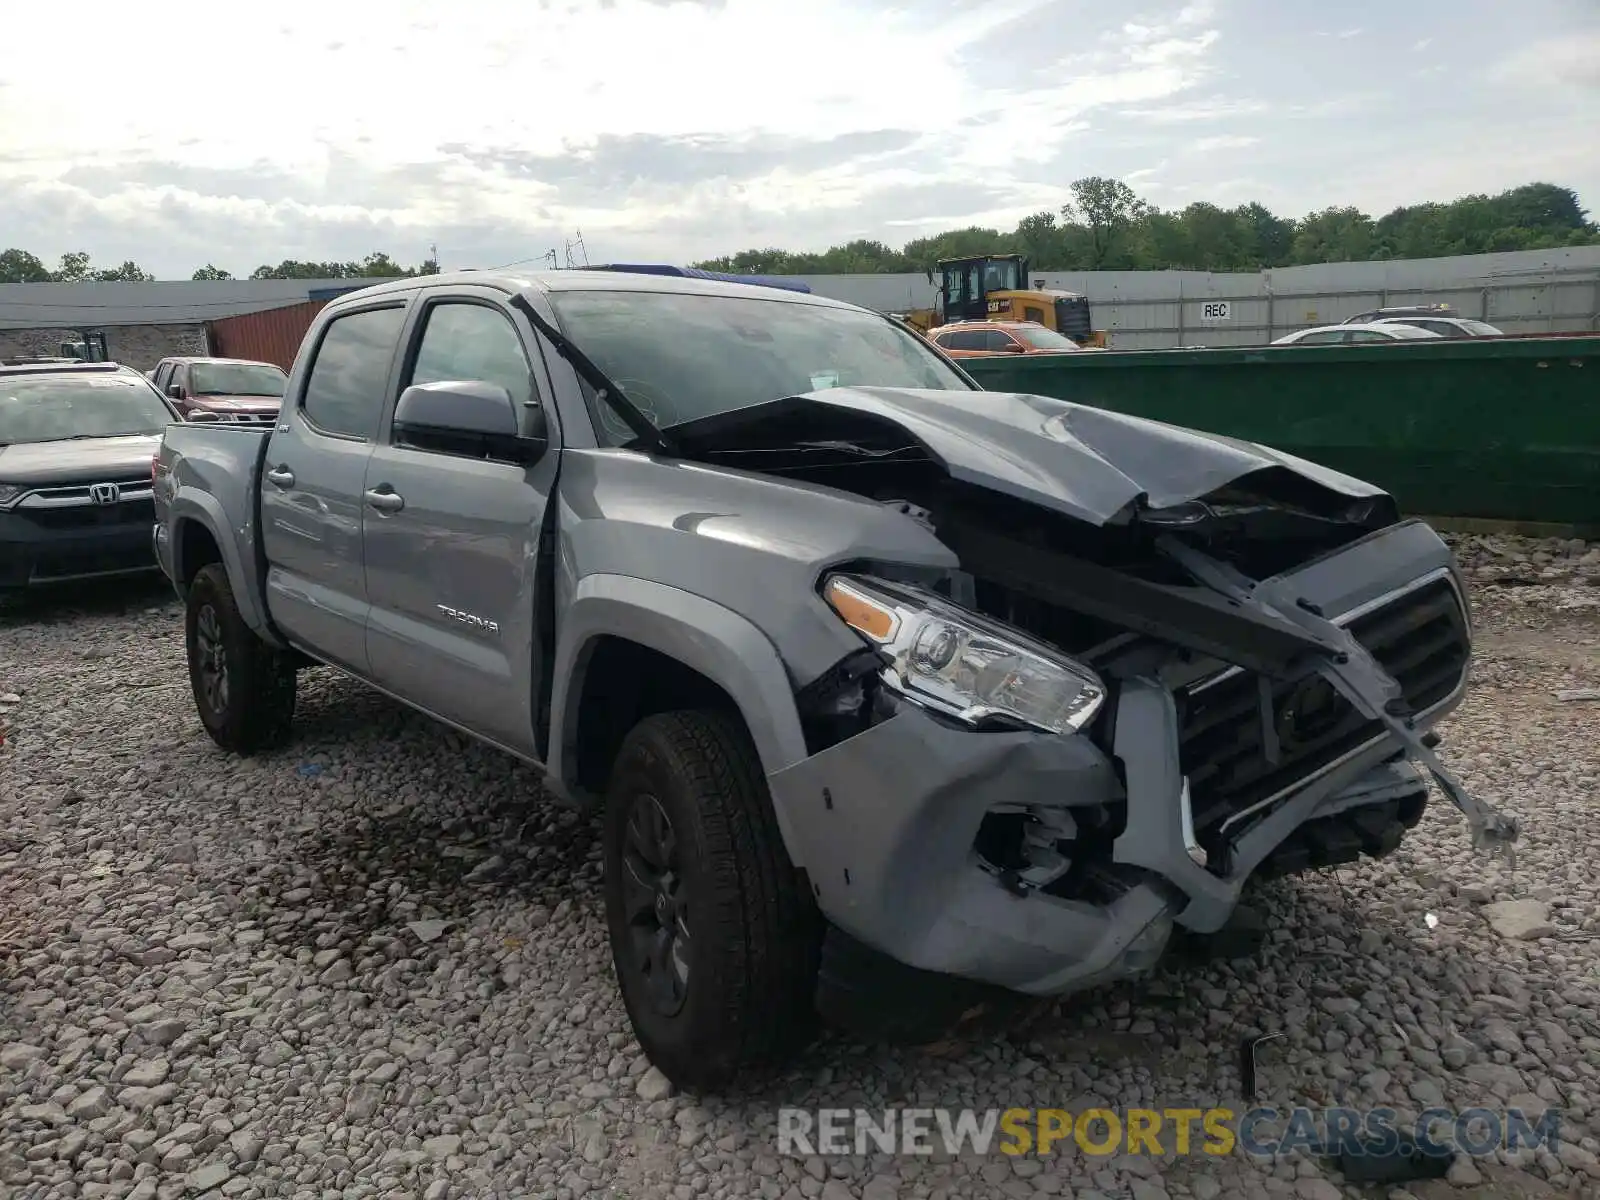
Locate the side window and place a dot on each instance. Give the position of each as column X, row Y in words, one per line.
column 955, row 285
column 471, row 341
column 348, row 377
column 1370, row 335
column 1029, row 313
column 159, row 376
column 179, row 375
column 967, row 339
column 995, row 339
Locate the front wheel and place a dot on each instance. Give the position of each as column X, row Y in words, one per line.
column 243, row 688
column 714, row 935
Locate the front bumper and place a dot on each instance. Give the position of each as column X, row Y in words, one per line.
column 42, row 547
column 886, row 823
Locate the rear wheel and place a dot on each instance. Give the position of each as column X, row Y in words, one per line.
column 714, row 935
column 244, row 689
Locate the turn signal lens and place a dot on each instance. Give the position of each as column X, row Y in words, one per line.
column 860, row 612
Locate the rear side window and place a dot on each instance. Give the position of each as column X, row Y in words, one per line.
column 967, row 339
column 346, row 389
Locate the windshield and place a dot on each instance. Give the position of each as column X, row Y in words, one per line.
column 1041, row 338
column 53, row 409
column 682, row 357
column 236, row 379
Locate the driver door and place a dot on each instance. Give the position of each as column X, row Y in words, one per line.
column 453, row 543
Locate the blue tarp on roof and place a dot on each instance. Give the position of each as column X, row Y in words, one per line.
column 790, row 285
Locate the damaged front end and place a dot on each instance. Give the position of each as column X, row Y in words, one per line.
column 1167, row 663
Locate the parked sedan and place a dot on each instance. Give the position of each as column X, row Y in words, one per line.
column 222, row 389
column 76, row 446
column 983, row 339
column 1447, row 327
column 1347, row 335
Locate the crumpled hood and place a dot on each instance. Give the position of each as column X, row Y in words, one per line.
column 1089, row 463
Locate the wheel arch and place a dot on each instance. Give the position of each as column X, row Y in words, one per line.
column 200, row 535
column 624, row 640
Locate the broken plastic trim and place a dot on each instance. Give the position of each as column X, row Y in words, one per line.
column 1344, row 662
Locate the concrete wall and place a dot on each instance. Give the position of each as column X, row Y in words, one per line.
column 1526, row 291
column 139, row 346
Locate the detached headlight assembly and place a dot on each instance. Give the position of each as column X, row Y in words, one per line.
column 963, row 665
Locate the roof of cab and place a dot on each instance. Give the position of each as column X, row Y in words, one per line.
column 591, row 281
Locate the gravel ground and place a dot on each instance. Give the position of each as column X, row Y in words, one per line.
column 375, row 964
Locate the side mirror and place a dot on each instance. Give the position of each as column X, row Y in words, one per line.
column 175, row 390
column 1013, row 348
column 468, row 417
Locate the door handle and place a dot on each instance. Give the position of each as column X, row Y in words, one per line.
column 281, row 476
column 385, row 501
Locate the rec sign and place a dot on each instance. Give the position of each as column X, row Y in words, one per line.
column 1215, row 310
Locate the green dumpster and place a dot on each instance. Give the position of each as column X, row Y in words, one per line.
column 1476, row 428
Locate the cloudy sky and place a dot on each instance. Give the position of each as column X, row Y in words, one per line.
column 171, row 133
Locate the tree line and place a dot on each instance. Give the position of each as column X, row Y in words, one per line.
column 1107, row 226
column 21, row 266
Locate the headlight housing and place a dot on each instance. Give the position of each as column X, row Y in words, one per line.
column 962, row 664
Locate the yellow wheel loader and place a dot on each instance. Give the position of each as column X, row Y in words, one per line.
column 994, row 287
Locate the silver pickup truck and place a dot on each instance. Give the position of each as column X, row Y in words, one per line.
column 897, row 695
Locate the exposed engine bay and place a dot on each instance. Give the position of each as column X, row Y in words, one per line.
column 1267, row 686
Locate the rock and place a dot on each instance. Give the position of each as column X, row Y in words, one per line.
column 1463, row 1173
column 96, row 1102
column 428, row 931
column 1519, row 920
column 653, row 1086
column 163, row 1032
column 246, row 1145
column 212, row 1175
column 17, row 1056
column 147, row 1074
column 442, row 1147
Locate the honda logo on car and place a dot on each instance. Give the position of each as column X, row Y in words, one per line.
column 104, row 493
column 1215, row 310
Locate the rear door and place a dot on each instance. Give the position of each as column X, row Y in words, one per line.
column 452, row 563
column 316, row 465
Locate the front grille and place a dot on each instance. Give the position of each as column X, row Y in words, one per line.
column 93, row 516
column 1420, row 639
column 1072, row 318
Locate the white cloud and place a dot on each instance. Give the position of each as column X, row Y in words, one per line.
column 319, row 128
column 1226, row 141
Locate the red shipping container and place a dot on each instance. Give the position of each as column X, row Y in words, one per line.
column 272, row 336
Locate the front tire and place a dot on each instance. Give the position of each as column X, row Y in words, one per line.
column 244, row 689
column 714, row 935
